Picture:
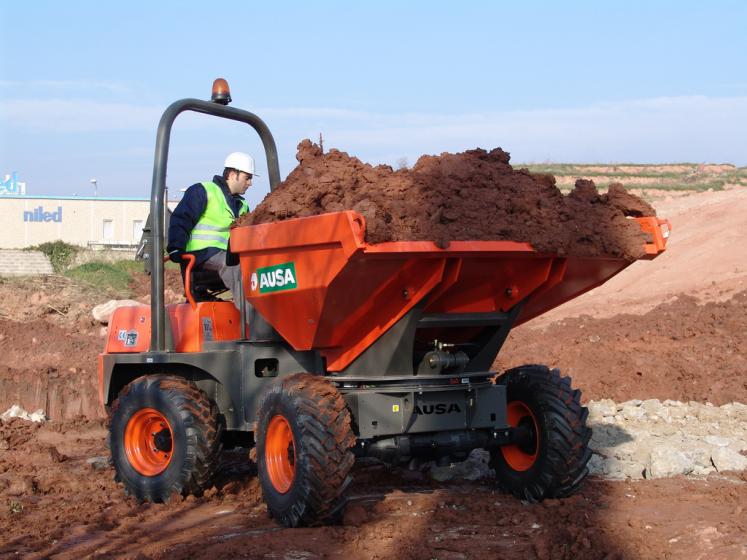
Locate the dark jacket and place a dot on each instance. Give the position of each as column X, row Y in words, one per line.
column 188, row 213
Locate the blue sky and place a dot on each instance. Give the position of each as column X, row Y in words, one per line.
column 83, row 84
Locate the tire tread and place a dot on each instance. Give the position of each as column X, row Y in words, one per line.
column 562, row 465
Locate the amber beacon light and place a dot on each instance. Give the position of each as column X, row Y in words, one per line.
column 221, row 92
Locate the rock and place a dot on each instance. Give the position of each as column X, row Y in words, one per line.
column 665, row 438
column 475, row 467
column 102, row 313
column 641, row 452
column 37, row 416
column 632, row 412
column 717, row 441
column 16, row 411
column 702, row 471
column 596, row 465
column 708, row 414
column 602, row 408
column 665, row 428
column 653, row 407
column 677, row 411
column 604, row 437
column 728, row 459
column 736, row 410
column 98, row 463
column 667, row 461
column 618, row 469
column 698, row 452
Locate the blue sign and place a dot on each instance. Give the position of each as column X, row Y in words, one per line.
column 40, row 215
column 11, row 185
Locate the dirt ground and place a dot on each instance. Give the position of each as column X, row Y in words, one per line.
column 66, row 507
column 671, row 328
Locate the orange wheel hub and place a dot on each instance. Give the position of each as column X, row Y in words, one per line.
column 280, row 454
column 148, row 442
column 521, row 456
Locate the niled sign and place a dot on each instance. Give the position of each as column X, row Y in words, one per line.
column 40, row 215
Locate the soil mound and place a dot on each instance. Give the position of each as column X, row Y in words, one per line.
column 473, row 195
column 679, row 350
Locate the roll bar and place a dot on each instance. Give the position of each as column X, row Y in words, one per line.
column 157, row 203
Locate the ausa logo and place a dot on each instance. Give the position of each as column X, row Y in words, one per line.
column 438, row 408
column 275, row 278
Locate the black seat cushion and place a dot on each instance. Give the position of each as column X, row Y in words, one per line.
column 205, row 285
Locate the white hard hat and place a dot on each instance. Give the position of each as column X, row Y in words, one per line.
column 241, row 161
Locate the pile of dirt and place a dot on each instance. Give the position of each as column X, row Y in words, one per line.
column 55, row 299
column 173, row 287
column 474, row 195
column 680, row 350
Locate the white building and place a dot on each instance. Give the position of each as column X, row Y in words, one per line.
column 94, row 222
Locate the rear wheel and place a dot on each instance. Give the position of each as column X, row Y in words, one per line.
column 304, row 437
column 164, row 438
column 549, row 460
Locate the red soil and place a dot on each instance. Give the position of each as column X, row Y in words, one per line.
column 474, row 195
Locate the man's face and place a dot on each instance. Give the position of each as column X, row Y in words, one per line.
column 239, row 182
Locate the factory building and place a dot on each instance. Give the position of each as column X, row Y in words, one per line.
column 95, row 222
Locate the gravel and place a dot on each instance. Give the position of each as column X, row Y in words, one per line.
column 645, row 440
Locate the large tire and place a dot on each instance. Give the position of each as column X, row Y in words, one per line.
column 304, row 437
column 164, row 438
column 551, row 461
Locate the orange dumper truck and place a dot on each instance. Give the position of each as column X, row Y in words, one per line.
column 342, row 349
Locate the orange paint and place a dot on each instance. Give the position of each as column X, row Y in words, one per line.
column 129, row 327
column 348, row 293
column 280, row 454
column 143, row 433
column 659, row 230
column 518, row 458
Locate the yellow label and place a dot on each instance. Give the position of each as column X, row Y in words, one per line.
column 395, row 408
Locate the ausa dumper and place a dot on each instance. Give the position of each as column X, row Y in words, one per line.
column 342, row 349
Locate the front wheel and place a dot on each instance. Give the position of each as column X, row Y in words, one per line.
column 164, row 438
column 549, row 459
column 304, row 437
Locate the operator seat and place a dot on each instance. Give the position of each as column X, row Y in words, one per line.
column 205, row 285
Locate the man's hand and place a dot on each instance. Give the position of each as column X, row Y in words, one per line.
column 176, row 256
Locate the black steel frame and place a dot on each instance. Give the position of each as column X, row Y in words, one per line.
column 158, row 338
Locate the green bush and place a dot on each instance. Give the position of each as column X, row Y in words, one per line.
column 108, row 277
column 60, row 254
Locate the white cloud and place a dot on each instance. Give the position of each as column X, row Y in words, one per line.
column 75, row 85
column 76, row 115
column 314, row 113
column 687, row 128
column 647, row 130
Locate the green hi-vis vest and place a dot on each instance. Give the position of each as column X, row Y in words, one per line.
column 212, row 230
